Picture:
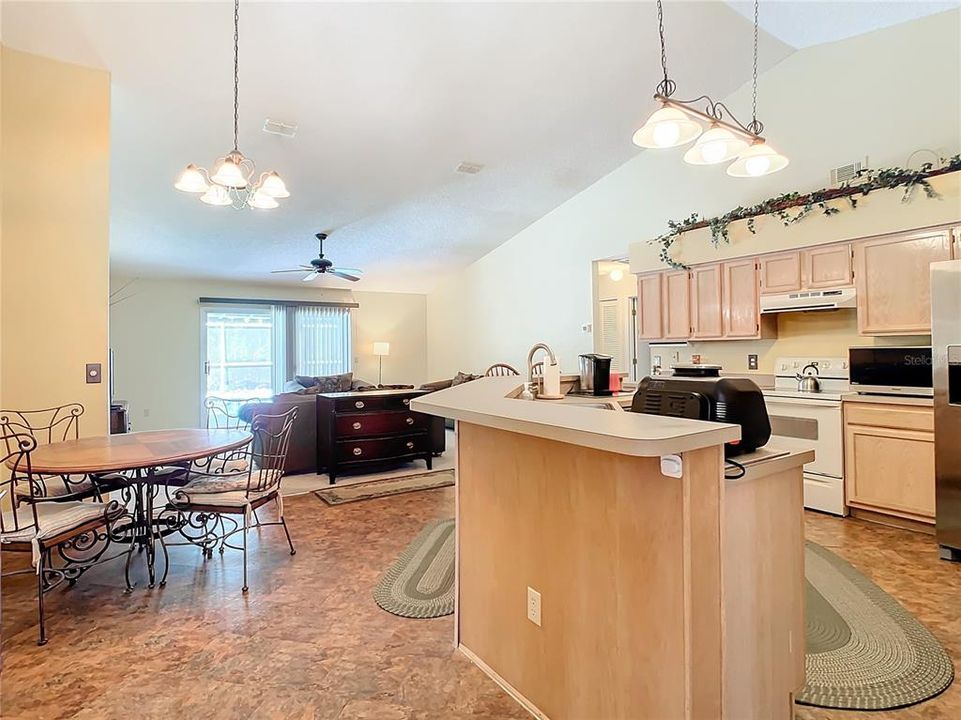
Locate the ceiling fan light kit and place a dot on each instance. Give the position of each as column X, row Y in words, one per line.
column 678, row 122
column 232, row 182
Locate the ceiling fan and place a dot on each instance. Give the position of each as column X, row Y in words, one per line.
column 322, row 266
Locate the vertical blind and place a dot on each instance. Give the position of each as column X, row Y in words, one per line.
column 321, row 340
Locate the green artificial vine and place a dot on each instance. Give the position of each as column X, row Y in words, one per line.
column 791, row 208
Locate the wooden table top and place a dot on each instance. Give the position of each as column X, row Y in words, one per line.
column 129, row 451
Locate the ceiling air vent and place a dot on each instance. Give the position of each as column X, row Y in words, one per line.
column 469, row 168
column 276, row 127
column 848, row 173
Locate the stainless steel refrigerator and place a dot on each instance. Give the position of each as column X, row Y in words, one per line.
column 946, row 356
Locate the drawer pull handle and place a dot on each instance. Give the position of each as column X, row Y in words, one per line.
column 410, row 446
column 406, row 401
column 410, row 421
column 358, row 451
column 359, row 404
column 356, row 426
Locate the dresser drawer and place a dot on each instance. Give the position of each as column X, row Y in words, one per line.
column 384, row 423
column 382, row 448
column 371, row 404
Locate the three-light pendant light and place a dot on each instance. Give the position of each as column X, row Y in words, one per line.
column 678, row 122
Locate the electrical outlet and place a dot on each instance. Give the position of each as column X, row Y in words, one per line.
column 534, row 606
column 752, row 362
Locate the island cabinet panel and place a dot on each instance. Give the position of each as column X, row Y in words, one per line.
column 892, row 275
column 780, row 272
column 889, row 460
column 828, row 267
column 741, row 311
column 649, row 303
column 676, row 312
column 707, row 317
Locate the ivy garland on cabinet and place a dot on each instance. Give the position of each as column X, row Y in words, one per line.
column 866, row 182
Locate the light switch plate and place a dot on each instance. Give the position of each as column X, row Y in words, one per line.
column 93, row 373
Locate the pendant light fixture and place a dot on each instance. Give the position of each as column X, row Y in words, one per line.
column 678, row 122
column 232, row 180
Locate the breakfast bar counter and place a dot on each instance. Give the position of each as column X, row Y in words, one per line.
column 606, row 568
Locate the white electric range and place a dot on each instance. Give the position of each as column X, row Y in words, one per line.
column 805, row 420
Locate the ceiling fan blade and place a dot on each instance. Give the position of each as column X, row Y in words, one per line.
column 343, row 275
column 352, row 271
column 300, row 270
column 309, row 277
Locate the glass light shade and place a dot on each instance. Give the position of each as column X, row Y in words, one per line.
column 759, row 159
column 262, row 201
column 229, row 174
column 617, row 275
column 715, row 146
column 216, row 195
column 192, row 180
column 667, row 127
column 274, row 186
column 382, row 348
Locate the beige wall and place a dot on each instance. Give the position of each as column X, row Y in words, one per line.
column 55, row 234
column 823, row 106
column 155, row 338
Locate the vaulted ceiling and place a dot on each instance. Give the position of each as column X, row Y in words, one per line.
column 388, row 99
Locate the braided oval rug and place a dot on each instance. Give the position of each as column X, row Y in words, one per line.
column 864, row 650
column 420, row 584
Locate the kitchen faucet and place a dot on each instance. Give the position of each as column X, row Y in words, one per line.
column 530, row 362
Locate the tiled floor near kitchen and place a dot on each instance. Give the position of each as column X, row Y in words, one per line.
column 308, row 641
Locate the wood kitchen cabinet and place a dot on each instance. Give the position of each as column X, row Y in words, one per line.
column 740, row 282
column 780, row 272
column 676, row 310
column 707, row 317
column 893, row 281
column 649, row 307
column 827, row 267
column 889, row 459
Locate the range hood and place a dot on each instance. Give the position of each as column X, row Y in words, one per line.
column 809, row 300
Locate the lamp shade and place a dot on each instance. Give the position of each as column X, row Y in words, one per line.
column 262, row 201
column 229, row 173
column 216, row 195
column 382, row 348
column 191, row 180
column 759, row 159
column 274, row 186
column 715, row 146
column 667, row 127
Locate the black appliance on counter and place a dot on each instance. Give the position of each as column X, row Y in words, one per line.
column 891, row 370
column 731, row 400
column 595, row 374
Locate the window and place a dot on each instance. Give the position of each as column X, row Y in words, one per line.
column 321, row 342
column 239, row 360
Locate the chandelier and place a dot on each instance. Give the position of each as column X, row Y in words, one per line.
column 232, row 182
column 678, row 122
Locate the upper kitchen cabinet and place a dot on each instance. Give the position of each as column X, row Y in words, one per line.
column 676, row 310
column 649, row 326
column 827, row 267
column 741, row 311
column 780, row 272
column 706, row 302
column 892, row 275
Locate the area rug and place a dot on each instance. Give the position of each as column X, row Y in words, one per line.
column 864, row 650
column 340, row 494
column 420, row 584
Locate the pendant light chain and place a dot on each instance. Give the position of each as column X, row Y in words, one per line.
column 755, row 127
column 666, row 86
column 236, row 70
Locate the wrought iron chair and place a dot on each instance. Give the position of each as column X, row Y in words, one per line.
column 210, row 498
column 40, row 527
column 51, row 425
column 500, row 370
column 538, row 369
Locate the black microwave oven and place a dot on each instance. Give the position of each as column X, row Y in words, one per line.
column 891, row 370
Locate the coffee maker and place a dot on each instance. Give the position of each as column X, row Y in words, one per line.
column 595, row 374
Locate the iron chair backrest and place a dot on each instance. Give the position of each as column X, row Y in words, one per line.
column 500, row 370
column 224, row 413
column 48, row 425
column 16, row 458
column 269, row 450
column 537, row 369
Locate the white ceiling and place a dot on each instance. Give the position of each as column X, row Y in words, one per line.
column 803, row 23
column 389, row 98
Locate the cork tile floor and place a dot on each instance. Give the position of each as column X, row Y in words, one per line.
column 308, row 641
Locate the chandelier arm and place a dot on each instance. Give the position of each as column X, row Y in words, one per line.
column 716, row 113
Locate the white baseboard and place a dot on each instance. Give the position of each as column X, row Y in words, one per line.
column 505, row 686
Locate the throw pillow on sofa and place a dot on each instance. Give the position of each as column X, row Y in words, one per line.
column 331, row 383
column 462, row 377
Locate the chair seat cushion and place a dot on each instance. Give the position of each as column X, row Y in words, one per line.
column 230, row 498
column 55, row 486
column 53, row 518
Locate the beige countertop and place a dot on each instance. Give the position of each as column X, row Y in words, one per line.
column 888, row 399
column 486, row 402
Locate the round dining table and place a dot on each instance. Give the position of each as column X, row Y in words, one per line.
column 137, row 457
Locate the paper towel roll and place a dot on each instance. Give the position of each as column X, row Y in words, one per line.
column 552, row 379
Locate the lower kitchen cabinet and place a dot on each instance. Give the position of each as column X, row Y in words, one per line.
column 889, row 459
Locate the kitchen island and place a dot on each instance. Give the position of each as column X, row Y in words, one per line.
column 660, row 597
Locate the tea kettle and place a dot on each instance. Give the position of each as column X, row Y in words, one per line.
column 809, row 383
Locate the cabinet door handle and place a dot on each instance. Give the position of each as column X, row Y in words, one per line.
column 410, row 446
column 410, row 421
column 358, row 451
column 356, row 426
column 359, row 404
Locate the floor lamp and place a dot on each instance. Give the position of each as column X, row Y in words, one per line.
column 381, row 349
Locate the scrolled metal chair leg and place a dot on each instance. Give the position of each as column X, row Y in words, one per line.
column 290, row 542
column 40, row 590
column 245, row 554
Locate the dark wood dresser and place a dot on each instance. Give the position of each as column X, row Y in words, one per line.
column 363, row 431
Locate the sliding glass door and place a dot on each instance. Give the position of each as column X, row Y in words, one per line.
column 238, row 352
